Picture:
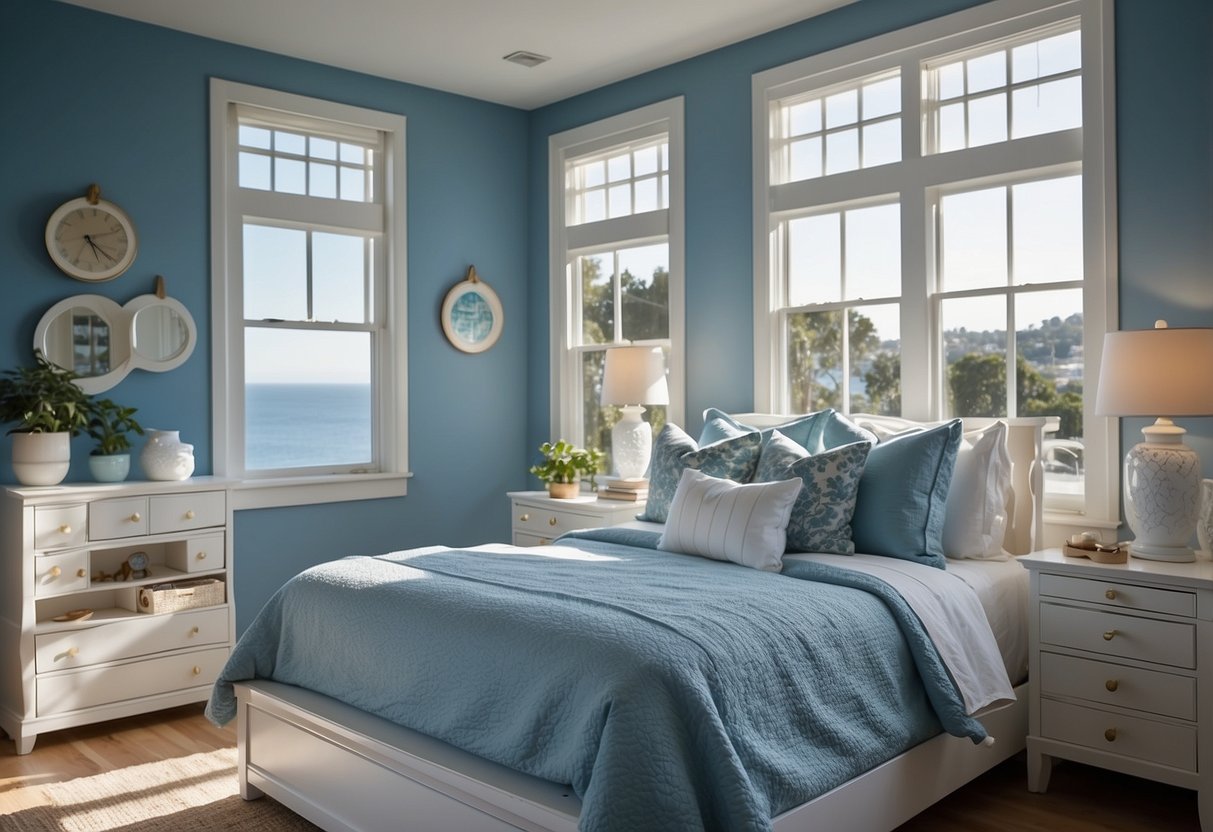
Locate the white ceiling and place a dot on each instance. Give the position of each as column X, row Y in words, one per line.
column 458, row 45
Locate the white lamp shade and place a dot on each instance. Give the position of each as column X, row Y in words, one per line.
column 634, row 375
column 1156, row 372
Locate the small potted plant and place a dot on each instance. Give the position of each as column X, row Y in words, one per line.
column 564, row 465
column 109, row 424
column 49, row 410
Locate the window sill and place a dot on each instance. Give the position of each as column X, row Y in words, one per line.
column 306, row 491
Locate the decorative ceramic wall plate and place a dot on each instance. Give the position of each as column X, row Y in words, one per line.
column 472, row 317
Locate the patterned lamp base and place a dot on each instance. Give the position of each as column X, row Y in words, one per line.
column 1162, row 499
column 631, row 444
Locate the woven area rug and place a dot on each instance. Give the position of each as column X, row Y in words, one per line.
column 180, row 795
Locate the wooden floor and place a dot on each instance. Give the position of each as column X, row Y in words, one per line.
column 1080, row 799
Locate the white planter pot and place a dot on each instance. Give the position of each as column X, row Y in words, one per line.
column 41, row 458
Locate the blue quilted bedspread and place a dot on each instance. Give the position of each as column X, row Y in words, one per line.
column 671, row 692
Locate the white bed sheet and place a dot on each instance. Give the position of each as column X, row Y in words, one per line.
column 1000, row 588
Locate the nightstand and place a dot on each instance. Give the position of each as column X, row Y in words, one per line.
column 538, row 519
column 1121, row 665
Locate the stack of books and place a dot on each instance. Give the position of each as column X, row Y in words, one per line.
column 632, row 491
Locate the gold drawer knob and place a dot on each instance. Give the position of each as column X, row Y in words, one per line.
column 1110, row 634
column 1110, row 595
column 55, row 571
column 80, row 573
column 197, row 670
column 1111, row 685
column 136, row 517
column 524, row 518
column 1110, row 735
column 551, row 521
column 66, row 528
column 201, row 556
column 543, row 541
column 189, row 515
column 193, row 632
column 73, row 652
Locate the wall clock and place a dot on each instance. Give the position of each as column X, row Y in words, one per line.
column 90, row 238
column 472, row 317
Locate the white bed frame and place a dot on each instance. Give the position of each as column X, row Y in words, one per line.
column 345, row 769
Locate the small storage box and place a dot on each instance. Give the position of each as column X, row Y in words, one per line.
column 181, row 595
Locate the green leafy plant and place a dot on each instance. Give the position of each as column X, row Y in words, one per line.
column 43, row 399
column 563, row 462
column 109, row 424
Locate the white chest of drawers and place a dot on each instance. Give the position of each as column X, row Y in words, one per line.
column 1121, row 666
column 539, row 519
column 59, row 548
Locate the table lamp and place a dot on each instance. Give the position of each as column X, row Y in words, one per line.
column 1147, row 373
column 633, row 376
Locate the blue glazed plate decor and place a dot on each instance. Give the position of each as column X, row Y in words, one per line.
column 472, row 317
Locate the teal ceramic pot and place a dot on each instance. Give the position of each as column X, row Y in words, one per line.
column 113, row 468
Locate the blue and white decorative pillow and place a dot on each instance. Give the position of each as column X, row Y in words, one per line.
column 821, row 517
column 731, row 459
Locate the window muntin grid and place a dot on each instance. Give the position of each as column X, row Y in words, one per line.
column 305, row 164
column 1013, row 89
column 632, row 179
column 840, row 129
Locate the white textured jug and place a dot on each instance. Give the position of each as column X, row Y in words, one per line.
column 166, row 457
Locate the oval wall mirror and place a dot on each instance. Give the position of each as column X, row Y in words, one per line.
column 101, row 341
column 87, row 335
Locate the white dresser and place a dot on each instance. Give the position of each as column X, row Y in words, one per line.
column 1122, row 670
column 57, row 546
column 539, row 519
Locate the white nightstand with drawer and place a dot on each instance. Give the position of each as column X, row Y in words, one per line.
column 1121, row 666
column 538, row 519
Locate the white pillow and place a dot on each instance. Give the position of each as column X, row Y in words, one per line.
column 975, row 518
column 725, row 520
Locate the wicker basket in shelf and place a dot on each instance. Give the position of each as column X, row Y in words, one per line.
column 181, row 595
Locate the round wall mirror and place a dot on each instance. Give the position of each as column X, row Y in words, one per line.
column 101, row 341
column 87, row 335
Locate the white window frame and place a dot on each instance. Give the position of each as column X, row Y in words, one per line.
column 229, row 207
column 918, row 179
column 567, row 242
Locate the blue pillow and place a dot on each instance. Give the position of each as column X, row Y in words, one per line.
column 730, row 459
column 835, row 430
column 903, row 493
column 821, row 516
column 805, row 431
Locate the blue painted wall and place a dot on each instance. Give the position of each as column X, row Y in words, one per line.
column 96, row 98
column 1164, row 102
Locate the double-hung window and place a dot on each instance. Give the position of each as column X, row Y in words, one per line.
column 935, row 209
column 617, row 261
column 309, row 290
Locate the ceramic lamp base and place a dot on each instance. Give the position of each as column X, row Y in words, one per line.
column 1162, row 491
column 631, row 444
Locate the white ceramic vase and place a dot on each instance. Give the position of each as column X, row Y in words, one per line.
column 41, row 458
column 166, row 457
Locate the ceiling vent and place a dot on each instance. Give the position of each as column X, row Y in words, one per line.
column 527, row 59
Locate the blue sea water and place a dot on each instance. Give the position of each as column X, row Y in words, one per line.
column 299, row 425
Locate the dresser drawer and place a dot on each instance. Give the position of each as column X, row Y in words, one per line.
column 524, row 539
column 109, row 519
column 544, row 522
column 197, row 554
column 125, row 639
column 1151, row 691
column 62, row 692
column 1127, row 596
column 57, row 574
column 1145, row 739
column 60, row 527
column 182, row 512
column 1127, row 636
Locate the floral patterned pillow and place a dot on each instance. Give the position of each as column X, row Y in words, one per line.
column 821, row 517
column 730, row 459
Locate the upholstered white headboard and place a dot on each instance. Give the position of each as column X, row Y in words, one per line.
column 1025, row 441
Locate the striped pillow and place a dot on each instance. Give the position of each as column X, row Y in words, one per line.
column 725, row 520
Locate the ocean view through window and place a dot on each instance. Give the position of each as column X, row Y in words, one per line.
column 326, row 424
